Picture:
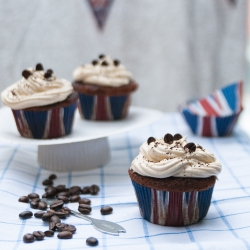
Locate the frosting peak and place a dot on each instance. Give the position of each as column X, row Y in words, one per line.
column 36, row 88
column 104, row 71
column 161, row 159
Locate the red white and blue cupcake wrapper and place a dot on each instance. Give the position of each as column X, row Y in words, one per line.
column 47, row 124
column 216, row 114
column 172, row 208
column 100, row 107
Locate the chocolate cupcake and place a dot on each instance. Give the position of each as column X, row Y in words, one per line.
column 104, row 88
column 173, row 180
column 43, row 105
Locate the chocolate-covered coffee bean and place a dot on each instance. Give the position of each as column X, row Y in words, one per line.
column 26, row 214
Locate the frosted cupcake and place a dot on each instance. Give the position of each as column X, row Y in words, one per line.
column 173, row 180
column 104, row 88
column 43, row 105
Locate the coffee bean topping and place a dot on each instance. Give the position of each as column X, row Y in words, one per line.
column 48, row 74
column 84, row 201
column 42, row 205
column 106, row 210
column 150, row 139
column 56, row 205
column 48, row 182
column 91, row 241
column 26, row 74
column 85, row 190
column 49, row 233
column 52, row 177
column 39, row 67
column 65, row 235
column 116, row 63
column 168, row 138
column 28, row 238
column 104, row 63
column 94, row 62
column 84, row 208
column 39, row 235
column 94, row 189
column 75, row 198
column 33, row 195
column 177, row 137
column 24, row 199
column 25, row 214
column 39, row 214
column 101, row 56
column 190, row 146
column 75, row 190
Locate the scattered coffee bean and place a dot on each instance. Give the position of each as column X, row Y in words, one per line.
column 91, row 241
column 48, row 188
column 56, row 205
column 52, row 177
column 62, row 214
column 49, row 233
column 51, row 211
column 42, row 205
column 75, row 190
column 168, row 138
column 63, row 194
column 84, row 201
column 33, row 195
column 28, row 238
column 51, row 193
column 85, row 190
column 34, row 204
column 177, row 137
column 190, row 146
column 84, row 208
column 24, row 199
column 47, row 216
column 60, row 188
column 39, row 214
column 65, row 199
column 48, row 182
column 44, row 195
column 106, row 210
column 39, row 235
column 151, row 139
column 25, row 214
column 35, row 200
column 53, row 221
column 75, row 198
column 66, row 209
column 94, row 189
column 65, row 235
column 65, row 227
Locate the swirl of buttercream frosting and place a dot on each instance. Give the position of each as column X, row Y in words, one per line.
column 103, row 72
column 36, row 90
column 160, row 160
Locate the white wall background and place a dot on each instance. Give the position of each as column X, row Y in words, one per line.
column 177, row 50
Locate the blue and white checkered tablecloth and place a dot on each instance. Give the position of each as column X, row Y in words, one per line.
column 226, row 226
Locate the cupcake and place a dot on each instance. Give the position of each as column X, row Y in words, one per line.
column 173, row 180
column 43, row 105
column 104, row 88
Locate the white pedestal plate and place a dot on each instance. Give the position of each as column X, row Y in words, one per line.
column 86, row 147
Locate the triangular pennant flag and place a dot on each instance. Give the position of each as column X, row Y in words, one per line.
column 100, row 9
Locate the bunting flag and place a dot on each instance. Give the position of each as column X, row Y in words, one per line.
column 100, row 9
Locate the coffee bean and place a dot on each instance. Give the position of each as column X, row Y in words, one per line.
column 34, row 204
column 25, row 214
column 24, row 199
column 75, row 190
column 151, row 139
column 56, row 205
column 35, row 200
column 26, row 74
column 48, row 182
column 65, row 209
column 44, row 195
column 85, row 190
column 116, row 62
column 177, row 137
column 62, row 214
column 63, row 194
column 65, row 227
column 39, row 214
column 84, row 208
column 49, row 233
column 28, row 238
column 94, row 189
column 106, row 210
column 60, row 188
column 65, row 199
column 51, row 193
column 75, row 198
column 94, row 62
column 84, row 201
column 39, row 67
column 51, row 211
column 52, row 177
column 101, row 56
column 42, row 205
column 105, row 63
column 33, row 195
column 39, row 235
column 53, row 221
column 47, row 216
column 65, row 235
column 191, row 147
column 168, row 138
column 91, row 241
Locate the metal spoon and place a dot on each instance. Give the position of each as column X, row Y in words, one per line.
column 101, row 225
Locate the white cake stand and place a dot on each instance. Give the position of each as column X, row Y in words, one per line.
column 86, row 147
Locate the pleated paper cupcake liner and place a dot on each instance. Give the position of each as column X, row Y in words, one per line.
column 47, row 124
column 100, row 107
column 172, row 208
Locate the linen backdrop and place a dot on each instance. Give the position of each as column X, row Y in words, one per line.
column 177, row 50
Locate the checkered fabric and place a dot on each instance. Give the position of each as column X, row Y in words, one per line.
column 226, row 226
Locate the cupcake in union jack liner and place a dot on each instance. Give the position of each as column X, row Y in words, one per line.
column 216, row 114
column 173, row 180
column 43, row 105
column 104, row 88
